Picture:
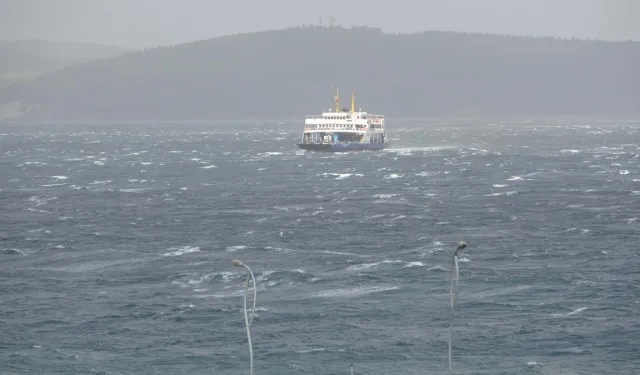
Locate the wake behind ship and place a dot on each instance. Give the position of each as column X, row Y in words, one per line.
column 344, row 130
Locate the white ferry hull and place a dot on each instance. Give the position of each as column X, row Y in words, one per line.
column 342, row 147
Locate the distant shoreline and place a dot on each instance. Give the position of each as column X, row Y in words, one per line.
column 288, row 120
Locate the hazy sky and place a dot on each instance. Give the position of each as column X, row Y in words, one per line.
column 142, row 23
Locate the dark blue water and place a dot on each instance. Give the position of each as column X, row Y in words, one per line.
column 116, row 244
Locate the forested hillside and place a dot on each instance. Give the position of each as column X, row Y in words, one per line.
column 295, row 72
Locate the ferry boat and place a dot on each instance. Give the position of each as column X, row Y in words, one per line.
column 344, row 130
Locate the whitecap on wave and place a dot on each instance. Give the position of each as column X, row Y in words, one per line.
column 354, row 292
column 177, row 251
column 236, row 248
column 364, row 266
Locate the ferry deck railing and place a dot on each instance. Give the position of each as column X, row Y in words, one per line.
column 343, row 117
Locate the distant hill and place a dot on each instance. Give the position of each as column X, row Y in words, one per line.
column 29, row 57
column 295, row 71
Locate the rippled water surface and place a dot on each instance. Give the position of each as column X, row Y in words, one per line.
column 116, row 243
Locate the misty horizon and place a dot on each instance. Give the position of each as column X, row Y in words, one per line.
column 145, row 24
column 324, row 24
column 458, row 58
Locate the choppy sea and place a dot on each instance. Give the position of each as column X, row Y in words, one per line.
column 116, row 243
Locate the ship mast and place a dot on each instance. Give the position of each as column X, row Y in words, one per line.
column 337, row 98
column 353, row 103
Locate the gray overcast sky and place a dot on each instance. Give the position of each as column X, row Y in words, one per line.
column 143, row 23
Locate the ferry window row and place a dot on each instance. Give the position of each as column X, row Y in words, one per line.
column 326, row 126
column 363, row 117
